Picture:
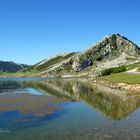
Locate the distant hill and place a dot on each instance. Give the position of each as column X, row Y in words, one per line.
column 9, row 66
column 112, row 51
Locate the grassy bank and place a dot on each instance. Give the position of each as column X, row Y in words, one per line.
column 122, row 77
column 17, row 74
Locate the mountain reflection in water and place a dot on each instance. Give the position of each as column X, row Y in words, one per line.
column 112, row 103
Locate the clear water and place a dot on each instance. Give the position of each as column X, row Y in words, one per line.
column 56, row 109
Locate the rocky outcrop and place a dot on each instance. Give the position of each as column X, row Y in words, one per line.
column 132, row 88
column 80, row 65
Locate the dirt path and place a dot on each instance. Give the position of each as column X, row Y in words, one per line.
column 133, row 71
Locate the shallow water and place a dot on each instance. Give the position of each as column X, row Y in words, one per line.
column 56, row 109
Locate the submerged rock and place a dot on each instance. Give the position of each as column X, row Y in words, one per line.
column 4, row 130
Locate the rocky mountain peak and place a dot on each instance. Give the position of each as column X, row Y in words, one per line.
column 109, row 48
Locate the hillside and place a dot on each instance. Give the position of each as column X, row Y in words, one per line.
column 9, row 66
column 50, row 63
column 112, row 51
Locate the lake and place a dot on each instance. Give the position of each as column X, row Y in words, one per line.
column 66, row 109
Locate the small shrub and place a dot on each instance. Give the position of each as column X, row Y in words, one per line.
column 113, row 70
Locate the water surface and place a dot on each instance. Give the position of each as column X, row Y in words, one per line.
column 66, row 109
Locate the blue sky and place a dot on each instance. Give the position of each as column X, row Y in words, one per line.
column 32, row 30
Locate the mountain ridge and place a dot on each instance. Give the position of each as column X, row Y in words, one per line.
column 113, row 50
column 10, row 66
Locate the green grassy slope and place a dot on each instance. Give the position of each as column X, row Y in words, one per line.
column 49, row 63
column 122, row 77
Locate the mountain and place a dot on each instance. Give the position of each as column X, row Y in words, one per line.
column 9, row 66
column 112, row 51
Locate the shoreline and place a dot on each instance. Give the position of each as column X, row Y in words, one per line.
column 118, row 85
column 121, row 86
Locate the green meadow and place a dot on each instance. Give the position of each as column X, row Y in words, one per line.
column 122, row 77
